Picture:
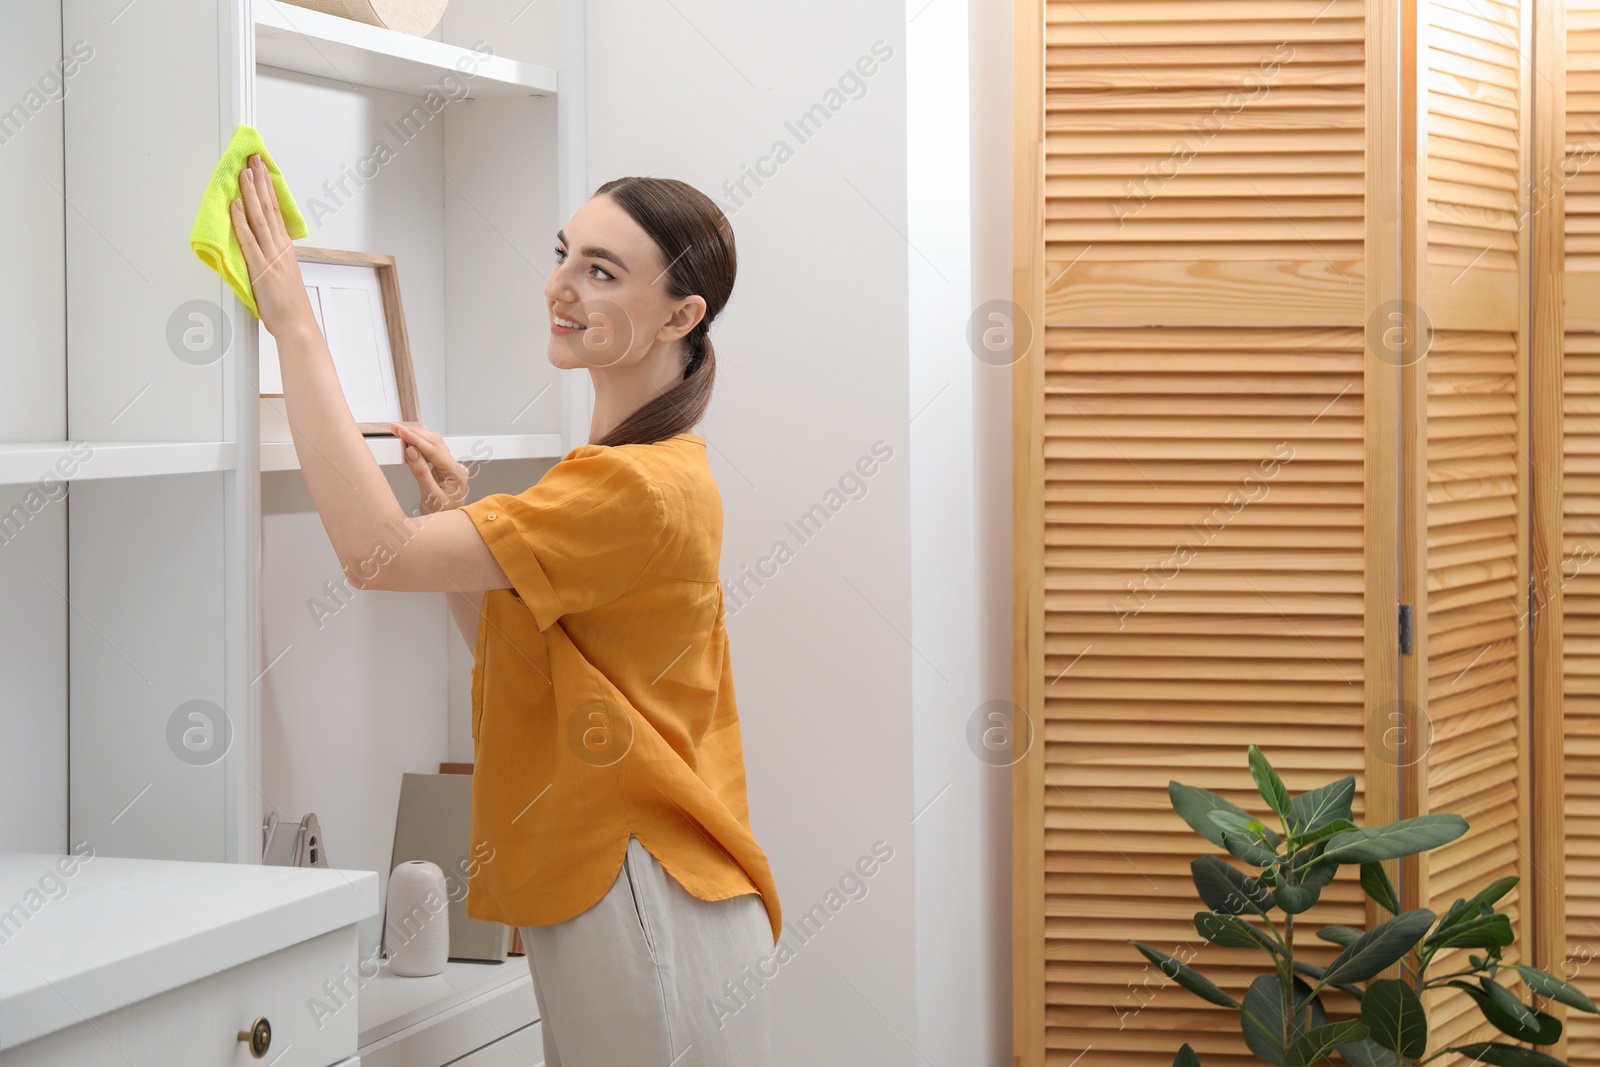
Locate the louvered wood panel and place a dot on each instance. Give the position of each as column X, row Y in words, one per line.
column 1580, row 542
column 1580, row 520
column 1476, row 644
column 1473, row 655
column 1203, row 589
column 1207, row 464
column 1204, row 163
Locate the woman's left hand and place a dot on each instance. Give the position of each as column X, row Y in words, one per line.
column 275, row 281
column 441, row 478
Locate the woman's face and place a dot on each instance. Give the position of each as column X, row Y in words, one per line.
column 610, row 278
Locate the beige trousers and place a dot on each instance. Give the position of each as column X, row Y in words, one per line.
column 653, row 976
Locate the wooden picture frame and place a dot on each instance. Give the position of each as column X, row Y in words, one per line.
column 370, row 348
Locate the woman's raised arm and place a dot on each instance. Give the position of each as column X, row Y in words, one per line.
column 378, row 545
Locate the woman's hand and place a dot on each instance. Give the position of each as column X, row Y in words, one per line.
column 441, row 478
column 275, row 281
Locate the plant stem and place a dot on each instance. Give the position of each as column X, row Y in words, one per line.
column 1291, row 1010
column 1276, row 936
column 1442, row 978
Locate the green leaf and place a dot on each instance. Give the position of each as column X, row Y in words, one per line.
column 1194, row 805
column 1247, row 848
column 1464, row 911
column 1548, row 985
column 1311, row 970
column 1490, row 931
column 1319, row 808
column 1240, row 840
column 1317, row 871
column 1262, row 1021
column 1379, row 947
column 1318, row 1044
column 1185, row 1057
column 1366, row 1053
column 1499, row 888
column 1252, row 840
column 1337, row 826
column 1393, row 1012
column 1451, row 916
column 1375, row 880
column 1404, row 838
column 1230, row 931
column 1294, row 899
column 1269, row 785
column 1528, row 1023
column 1339, row 935
column 1186, row 976
column 1226, row 889
column 1511, row 1016
column 1497, row 1054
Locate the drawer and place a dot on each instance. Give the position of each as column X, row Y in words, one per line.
column 307, row 992
column 463, row 1028
column 525, row 1048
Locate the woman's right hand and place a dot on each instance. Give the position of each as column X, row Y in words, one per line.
column 441, row 478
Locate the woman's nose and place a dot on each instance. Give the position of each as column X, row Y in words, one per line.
column 556, row 286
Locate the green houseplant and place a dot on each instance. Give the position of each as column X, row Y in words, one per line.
column 1281, row 1016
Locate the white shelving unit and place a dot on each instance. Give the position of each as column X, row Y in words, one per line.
column 175, row 575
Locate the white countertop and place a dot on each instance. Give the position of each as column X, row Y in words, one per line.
column 81, row 937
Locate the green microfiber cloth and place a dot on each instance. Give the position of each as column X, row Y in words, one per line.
column 213, row 238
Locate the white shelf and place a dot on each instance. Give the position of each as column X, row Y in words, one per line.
column 23, row 463
column 310, row 42
column 280, row 455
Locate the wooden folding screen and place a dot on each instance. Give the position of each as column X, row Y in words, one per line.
column 1279, row 263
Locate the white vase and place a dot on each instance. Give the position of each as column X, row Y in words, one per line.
column 416, row 926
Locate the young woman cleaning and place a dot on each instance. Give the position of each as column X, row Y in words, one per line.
column 609, row 818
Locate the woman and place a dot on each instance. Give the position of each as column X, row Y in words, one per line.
column 609, row 817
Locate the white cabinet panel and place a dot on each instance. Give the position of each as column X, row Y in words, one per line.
column 196, row 1025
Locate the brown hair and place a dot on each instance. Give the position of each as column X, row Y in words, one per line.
column 696, row 242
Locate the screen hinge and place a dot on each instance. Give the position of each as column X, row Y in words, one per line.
column 1405, row 629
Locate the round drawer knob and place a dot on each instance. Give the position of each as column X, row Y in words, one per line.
column 259, row 1036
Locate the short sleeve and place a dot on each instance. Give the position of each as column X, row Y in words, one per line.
column 578, row 539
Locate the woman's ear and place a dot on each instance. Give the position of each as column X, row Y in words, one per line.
column 687, row 316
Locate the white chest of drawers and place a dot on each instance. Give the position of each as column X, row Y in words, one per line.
column 124, row 961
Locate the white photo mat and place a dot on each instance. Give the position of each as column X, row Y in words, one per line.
column 347, row 302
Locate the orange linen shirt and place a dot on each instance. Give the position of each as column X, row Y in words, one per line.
column 602, row 689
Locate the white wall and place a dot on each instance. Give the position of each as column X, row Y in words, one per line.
column 861, row 661
column 990, row 42
column 960, row 511
column 813, row 370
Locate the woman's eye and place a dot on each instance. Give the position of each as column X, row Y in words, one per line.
column 561, row 255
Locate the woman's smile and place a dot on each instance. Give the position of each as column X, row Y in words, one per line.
column 562, row 324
